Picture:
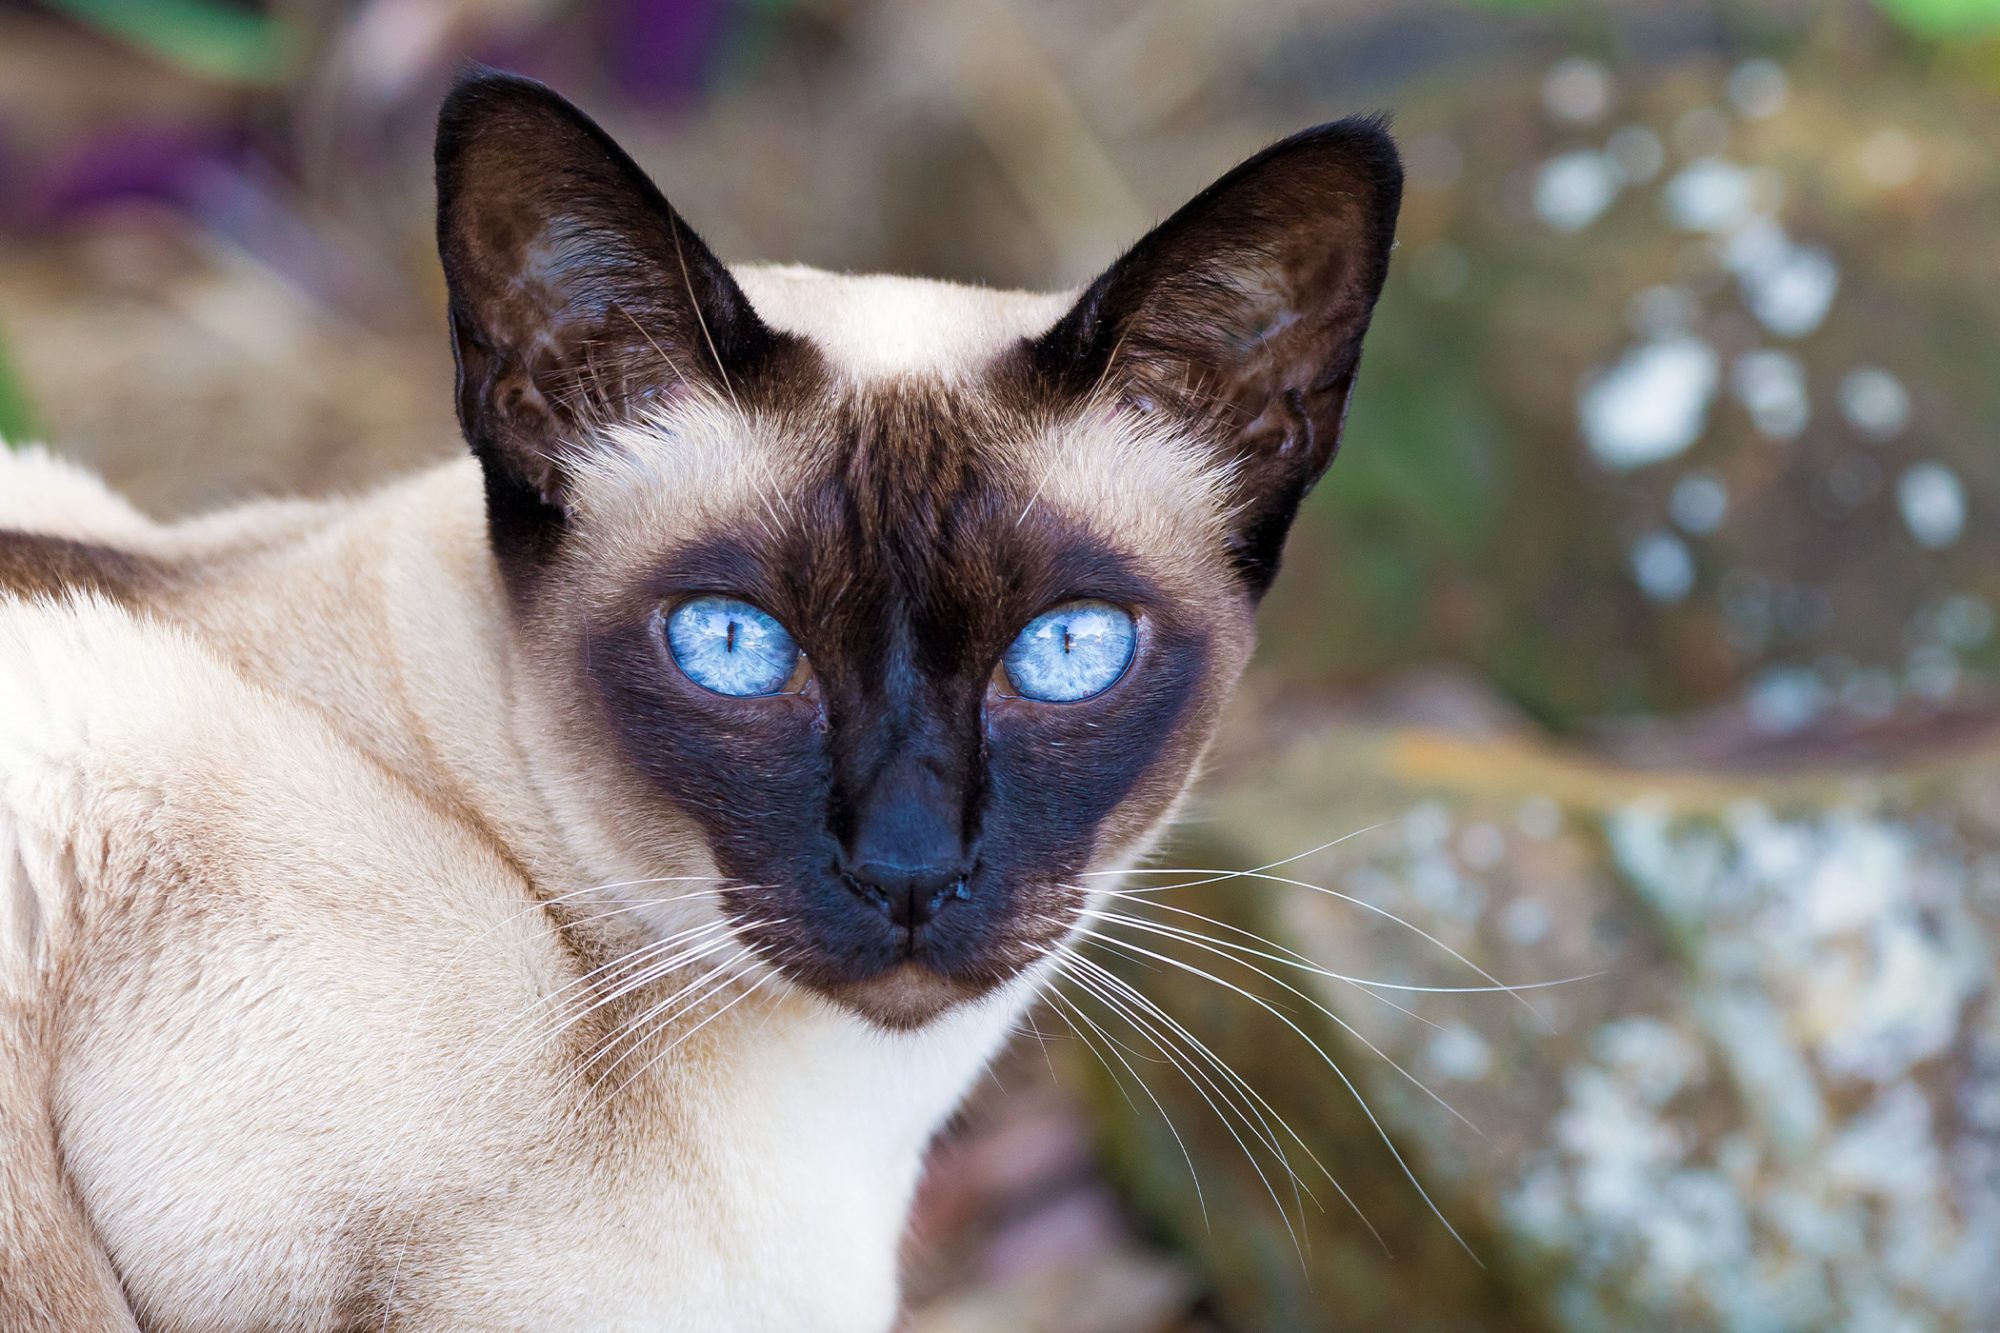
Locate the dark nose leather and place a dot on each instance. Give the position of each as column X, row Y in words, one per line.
column 909, row 896
column 904, row 854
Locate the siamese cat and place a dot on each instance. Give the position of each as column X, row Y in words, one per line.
column 567, row 889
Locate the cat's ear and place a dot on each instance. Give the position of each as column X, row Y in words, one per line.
column 577, row 294
column 1244, row 313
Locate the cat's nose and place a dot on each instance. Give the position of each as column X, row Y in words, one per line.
column 908, row 895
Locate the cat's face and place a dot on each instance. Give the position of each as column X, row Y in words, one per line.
column 904, row 605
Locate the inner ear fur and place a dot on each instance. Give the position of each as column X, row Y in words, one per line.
column 1244, row 313
column 577, row 294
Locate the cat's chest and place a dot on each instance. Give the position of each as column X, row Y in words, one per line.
column 497, row 1218
column 762, row 1185
column 777, row 1202
column 761, row 1203
column 791, row 1239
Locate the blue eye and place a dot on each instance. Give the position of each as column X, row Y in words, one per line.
column 731, row 647
column 1077, row 650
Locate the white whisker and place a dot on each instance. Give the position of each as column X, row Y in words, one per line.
column 1203, row 1085
column 1201, row 1198
column 1496, row 983
column 753, row 988
column 1246, row 1090
column 1219, row 949
column 1217, row 876
column 1380, row 1130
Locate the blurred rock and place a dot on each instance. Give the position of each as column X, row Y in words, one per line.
column 1772, row 1101
column 1717, row 430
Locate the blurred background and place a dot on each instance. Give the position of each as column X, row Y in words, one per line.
column 1643, row 633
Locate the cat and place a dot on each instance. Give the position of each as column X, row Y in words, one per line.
column 569, row 887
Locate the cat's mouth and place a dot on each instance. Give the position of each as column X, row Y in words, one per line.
column 897, row 974
column 906, row 997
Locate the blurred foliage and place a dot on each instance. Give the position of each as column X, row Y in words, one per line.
column 212, row 39
column 1946, row 18
column 17, row 424
column 1931, row 18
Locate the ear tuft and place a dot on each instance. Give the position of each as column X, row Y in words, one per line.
column 1244, row 313
column 577, row 294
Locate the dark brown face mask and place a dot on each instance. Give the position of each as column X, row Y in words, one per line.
column 900, row 823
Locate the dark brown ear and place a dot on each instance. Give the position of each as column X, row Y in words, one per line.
column 1244, row 313
column 577, row 294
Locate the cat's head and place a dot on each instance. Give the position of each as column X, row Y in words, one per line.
column 900, row 605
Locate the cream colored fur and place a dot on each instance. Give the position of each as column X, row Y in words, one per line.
column 275, row 1050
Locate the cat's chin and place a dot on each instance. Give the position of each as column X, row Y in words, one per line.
column 904, row 998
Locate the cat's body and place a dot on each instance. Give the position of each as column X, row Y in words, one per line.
column 291, row 1089
column 390, row 935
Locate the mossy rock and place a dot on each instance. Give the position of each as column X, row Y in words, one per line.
column 1772, row 1103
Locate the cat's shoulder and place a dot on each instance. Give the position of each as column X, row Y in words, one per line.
column 49, row 496
column 98, row 703
column 135, row 758
column 64, row 529
column 99, row 697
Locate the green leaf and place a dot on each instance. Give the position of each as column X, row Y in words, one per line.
column 17, row 423
column 208, row 38
column 1945, row 18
